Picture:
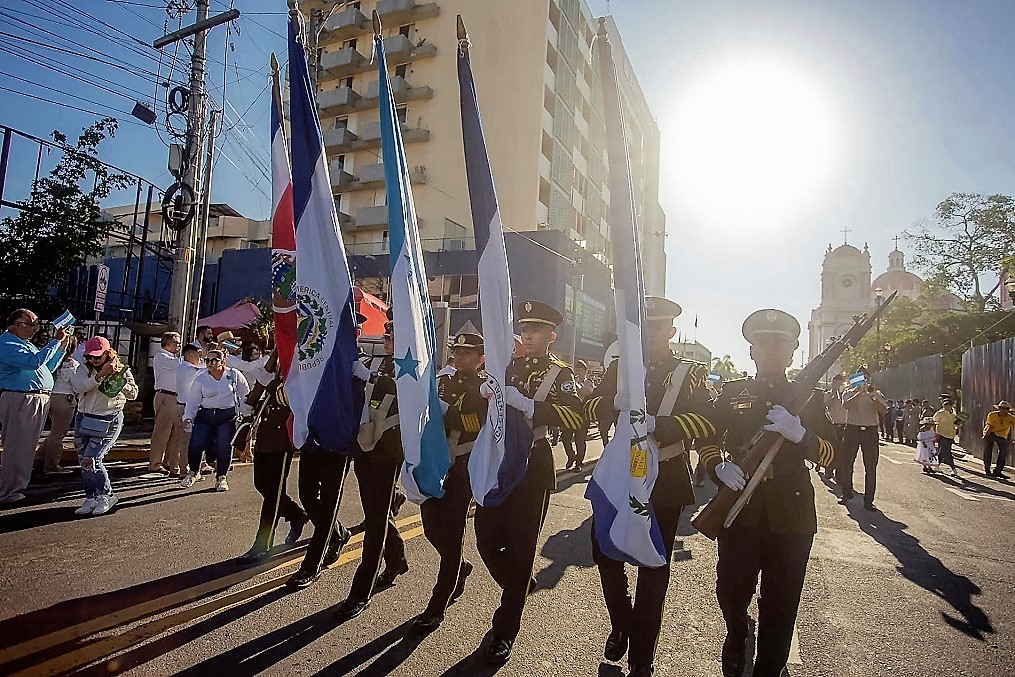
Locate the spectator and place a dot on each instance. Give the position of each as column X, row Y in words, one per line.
column 997, row 430
column 26, row 380
column 187, row 371
column 899, row 419
column 836, row 413
column 926, row 411
column 864, row 404
column 164, row 453
column 887, row 422
column 211, row 411
column 251, row 363
column 912, row 422
column 62, row 403
column 944, row 423
column 81, row 336
column 204, row 339
column 575, row 440
column 103, row 388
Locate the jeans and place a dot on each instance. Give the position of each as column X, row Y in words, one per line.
column 95, row 447
column 1002, row 452
column 213, row 432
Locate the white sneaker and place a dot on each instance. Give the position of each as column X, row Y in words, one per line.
column 188, row 481
column 104, row 505
column 221, row 484
column 87, row 507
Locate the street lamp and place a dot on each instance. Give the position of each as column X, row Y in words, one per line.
column 878, row 299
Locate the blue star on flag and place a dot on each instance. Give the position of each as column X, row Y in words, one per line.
column 407, row 365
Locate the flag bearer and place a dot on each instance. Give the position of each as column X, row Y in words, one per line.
column 543, row 388
column 377, row 471
column 679, row 400
column 444, row 518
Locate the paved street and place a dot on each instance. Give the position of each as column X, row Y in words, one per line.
column 923, row 588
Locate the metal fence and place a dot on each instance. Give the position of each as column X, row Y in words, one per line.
column 920, row 379
column 988, row 375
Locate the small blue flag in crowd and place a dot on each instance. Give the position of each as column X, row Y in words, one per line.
column 65, row 320
column 621, row 485
column 714, row 378
column 857, row 379
column 500, row 455
column 420, row 416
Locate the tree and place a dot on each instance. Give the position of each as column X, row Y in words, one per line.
column 971, row 239
column 59, row 226
column 724, row 367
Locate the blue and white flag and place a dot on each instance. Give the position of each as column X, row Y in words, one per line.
column 857, row 379
column 622, row 482
column 420, row 417
column 500, row 455
column 325, row 398
column 65, row 320
column 715, row 378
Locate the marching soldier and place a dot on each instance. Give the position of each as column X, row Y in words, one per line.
column 544, row 389
column 774, row 532
column 377, row 471
column 679, row 399
column 444, row 518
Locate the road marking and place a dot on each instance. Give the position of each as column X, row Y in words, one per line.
column 892, row 460
column 794, row 649
column 962, row 494
column 152, row 607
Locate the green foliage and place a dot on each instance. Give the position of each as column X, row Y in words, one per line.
column 970, row 239
column 724, row 367
column 60, row 225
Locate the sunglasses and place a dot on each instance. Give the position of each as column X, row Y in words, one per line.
column 212, row 360
column 92, row 358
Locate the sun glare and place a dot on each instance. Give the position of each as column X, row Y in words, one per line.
column 750, row 141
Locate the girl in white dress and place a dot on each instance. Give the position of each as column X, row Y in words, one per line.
column 926, row 446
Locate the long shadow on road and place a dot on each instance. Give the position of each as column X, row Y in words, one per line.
column 927, row 571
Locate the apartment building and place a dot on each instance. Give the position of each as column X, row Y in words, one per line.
column 540, row 101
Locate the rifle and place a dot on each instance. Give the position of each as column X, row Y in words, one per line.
column 724, row 507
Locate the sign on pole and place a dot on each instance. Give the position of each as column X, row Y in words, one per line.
column 101, row 285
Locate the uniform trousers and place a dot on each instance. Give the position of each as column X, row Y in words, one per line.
column 781, row 559
column 61, row 414
column 575, row 444
column 165, row 447
column 444, row 526
column 320, row 483
column 376, row 476
column 988, row 449
column 643, row 619
column 22, row 416
column 271, row 470
column 899, row 426
column 506, row 536
column 855, row 439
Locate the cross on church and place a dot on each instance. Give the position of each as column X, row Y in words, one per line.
column 845, row 230
column 896, row 238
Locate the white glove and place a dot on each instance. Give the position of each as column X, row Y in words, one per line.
column 360, row 371
column 622, row 402
column 650, row 423
column 731, row 475
column 188, row 426
column 485, row 390
column 785, row 423
column 514, row 398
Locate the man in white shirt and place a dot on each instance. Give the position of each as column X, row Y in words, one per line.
column 164, row 454
column 187, row 371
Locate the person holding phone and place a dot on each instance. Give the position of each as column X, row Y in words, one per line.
column 103, row 388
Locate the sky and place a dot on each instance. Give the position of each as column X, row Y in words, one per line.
column 782, row 122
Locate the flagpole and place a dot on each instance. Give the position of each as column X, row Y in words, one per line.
column 276, row 86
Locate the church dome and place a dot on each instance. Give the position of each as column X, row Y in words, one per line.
column 902, row 281
column 845, row 250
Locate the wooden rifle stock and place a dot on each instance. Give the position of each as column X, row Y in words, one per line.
column 710, row 520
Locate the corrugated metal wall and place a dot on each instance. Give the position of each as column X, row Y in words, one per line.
column 921, row 379
column 988, row 375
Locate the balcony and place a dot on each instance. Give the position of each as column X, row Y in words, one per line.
column 371, row 136
column 371, row 217
column 345, row 24
column 340, row 179
column 338, row 101
column 346, row 61
column 339, row 140
column 372, row 177
column 398, row 12
column 401, row 90
column 399, row 49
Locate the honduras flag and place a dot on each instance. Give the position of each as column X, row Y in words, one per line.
column 326, row 401
column 420, row 417
column 500, row 455
column 857, row 379
column 621, row 485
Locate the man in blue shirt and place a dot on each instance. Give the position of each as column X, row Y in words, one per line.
column 26, row 379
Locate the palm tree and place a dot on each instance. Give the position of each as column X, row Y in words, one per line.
column 724, row 367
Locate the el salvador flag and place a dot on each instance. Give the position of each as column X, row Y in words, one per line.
column 325, row 398
column 420, row 417
column 622, row 482
column 500, row 455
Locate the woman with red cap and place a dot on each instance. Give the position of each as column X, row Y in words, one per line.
column 103, row 388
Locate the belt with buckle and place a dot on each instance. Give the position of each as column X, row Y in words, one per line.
column 166, row 392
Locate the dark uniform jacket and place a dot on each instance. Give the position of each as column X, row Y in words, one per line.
column 784, row 502
column 561, row 409
column 466, row 407
column 389, row 447
column 273, row 421
column 690, row 419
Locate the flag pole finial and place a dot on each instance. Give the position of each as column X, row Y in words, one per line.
column 462, row 33
column 376, row 19
column 294, row 8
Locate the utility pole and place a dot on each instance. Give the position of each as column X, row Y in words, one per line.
column 203, row 217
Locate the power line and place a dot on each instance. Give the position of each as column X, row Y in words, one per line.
column 150, row 75
column 67, row 105
column 134, row 93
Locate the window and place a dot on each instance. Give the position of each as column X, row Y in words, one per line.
column 544, row 191
column 340, row 162
column 341, row 123
column 401, row 70
column 547, row 146
column 549, row 99
column 551, row 57
column 347, row 82
column 402, row 112
column 406, row 30
column 458, row 291
column 351, row 44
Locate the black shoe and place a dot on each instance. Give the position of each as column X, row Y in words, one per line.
column 397, row 502
column 427, row 622
column 335, row 549
column 616, row 646
column 499, row 651
column 641, row 670
column 253, row 556
column 577, row 467
column 302, row 579
column 390, row 573
column 296, row 530
column 349, row 610
column 463, row 573
column 871, row 507
column 846, row 498
column 1001, row 476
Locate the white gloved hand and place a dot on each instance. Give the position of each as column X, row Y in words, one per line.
column 622, row 402
column 485, row 390
column 360, row 371
column 188, row 426
column 650, row 423
column 785, row 423
column 514, row 398
column 731, row 475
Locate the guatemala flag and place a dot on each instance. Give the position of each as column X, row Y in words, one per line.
column 326, row 401
column 420, row 417
column 500, row 455
column 621, row 485
column 283, row 236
